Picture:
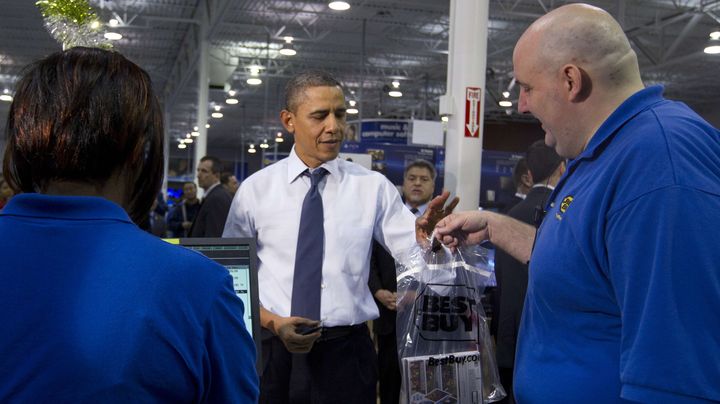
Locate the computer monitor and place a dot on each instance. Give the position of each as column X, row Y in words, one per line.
column 239, row 256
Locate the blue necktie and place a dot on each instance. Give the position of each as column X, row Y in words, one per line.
column 309, row 253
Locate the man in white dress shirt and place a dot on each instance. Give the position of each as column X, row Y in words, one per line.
column 337, row 362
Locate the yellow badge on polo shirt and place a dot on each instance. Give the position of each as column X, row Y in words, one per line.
column 564, row 205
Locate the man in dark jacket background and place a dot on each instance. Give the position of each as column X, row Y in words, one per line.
column 215, row 206
column 546, row 168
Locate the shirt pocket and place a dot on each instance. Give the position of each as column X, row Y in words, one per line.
column 279, row 227
column 352, row 246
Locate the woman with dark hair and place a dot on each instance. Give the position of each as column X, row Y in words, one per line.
column 93, row 308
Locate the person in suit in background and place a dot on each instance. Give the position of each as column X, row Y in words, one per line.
column 546, row 168
column 5, row 193
column 181, row 217
column 418, row 187
column 215, row 205
column 230, row 182
column 522, row 181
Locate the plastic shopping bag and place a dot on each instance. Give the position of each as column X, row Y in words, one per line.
column 444, row 344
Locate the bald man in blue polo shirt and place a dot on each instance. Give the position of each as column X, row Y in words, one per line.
column 624, row 287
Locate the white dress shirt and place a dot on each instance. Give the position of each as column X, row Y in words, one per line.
column 358, row 205
column 420, row 209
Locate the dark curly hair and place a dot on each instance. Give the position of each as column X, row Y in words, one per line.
column 86, row 114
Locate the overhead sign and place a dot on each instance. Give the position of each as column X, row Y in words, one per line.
column 472, row 111
column 384, row 131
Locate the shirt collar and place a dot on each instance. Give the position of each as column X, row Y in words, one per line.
column 540, row 185
column 296, row 166
column 213, row 186
column 635, row 104
column 632, row 106
column 64, row 207
column 420, row 209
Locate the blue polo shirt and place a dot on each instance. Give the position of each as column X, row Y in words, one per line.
column 95, row 310
column 623, row 300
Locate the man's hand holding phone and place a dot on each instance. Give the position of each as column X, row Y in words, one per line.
column 298, row 333
column 308, row 330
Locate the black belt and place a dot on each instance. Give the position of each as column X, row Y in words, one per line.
column 331, row 333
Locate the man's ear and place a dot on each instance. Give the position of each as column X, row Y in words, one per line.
column 287, row 119
column 577, row 83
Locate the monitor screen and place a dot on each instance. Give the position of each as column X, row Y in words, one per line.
column 239, row 256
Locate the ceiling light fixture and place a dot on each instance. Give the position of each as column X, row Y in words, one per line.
column 288, row 49
column 5, row 96
column 505, row 103
column 231, row 101
column 279, row 138
column 506, row 94
column 113, row 22
column 195, row 133
column 445, row 118
column 339, row 5
column 713, row 47
column 195, row 128
column 254, row 80
column 216, row 115
column 207, row 126
column 395, row 92
column 113, row 36
column 232, row 93
column 182, row 146
column 264, row 144
column 189, row 140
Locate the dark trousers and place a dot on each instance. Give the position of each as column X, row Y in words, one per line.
column 338, row 369
column 506, row 379
column 389, row 369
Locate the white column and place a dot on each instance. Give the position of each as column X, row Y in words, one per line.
column 166, row 148
column 465, row 100
column 203, row 71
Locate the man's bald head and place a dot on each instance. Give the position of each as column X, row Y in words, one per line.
column 585, row 36
column 574, row 67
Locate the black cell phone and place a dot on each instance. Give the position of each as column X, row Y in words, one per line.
column 305, row 330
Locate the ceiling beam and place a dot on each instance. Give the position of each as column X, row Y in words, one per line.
column 682, row 36
column 209, row 13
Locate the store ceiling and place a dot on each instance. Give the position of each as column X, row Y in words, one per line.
column 405, row 40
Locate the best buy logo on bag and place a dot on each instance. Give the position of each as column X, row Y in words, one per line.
column 448, row 317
